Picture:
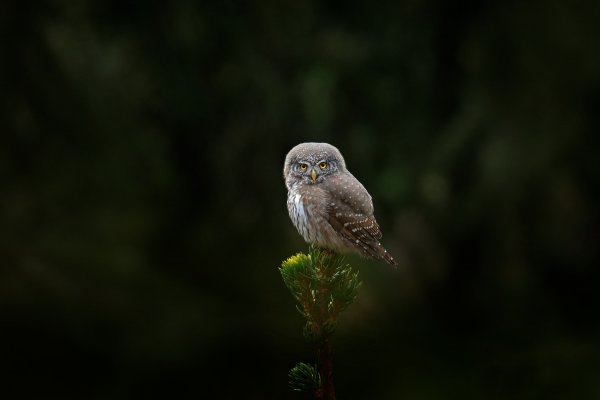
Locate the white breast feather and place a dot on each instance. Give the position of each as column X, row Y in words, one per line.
column 298, row 215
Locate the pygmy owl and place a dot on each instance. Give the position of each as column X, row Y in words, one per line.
column 328, row 205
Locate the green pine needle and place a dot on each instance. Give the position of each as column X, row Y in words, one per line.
column 304, row 378
column 323, row 284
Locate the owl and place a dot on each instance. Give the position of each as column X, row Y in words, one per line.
column 328, row 205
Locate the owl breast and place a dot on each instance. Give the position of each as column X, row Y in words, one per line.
column 306, row 206
column 297, row 213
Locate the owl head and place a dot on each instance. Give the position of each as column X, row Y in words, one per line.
column 311, row 163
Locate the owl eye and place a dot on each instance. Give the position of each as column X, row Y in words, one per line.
column 303, row 167
column 323, row 165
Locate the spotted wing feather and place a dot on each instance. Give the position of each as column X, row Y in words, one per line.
column 352, row 217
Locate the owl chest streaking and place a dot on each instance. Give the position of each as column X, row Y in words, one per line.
column 329, row 207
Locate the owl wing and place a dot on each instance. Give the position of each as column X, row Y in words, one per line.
column 351, row 211
column 353, row 226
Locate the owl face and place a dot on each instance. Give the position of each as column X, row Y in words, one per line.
column 311, row 163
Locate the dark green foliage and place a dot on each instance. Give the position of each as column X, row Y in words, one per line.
column 323, row 285
column 304, row 378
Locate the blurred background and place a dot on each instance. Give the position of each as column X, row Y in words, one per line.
column 143, row 212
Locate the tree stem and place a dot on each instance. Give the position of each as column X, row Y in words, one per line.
column 325, row 363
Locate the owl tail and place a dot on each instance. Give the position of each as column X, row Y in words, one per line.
column 387, row 257
column 378, row 252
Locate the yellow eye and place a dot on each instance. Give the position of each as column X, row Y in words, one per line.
column 323, row 165
column 303, row 167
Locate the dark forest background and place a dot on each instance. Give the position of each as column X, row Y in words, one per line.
column 143, row 211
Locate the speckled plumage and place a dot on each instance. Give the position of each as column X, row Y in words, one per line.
column 328, row 205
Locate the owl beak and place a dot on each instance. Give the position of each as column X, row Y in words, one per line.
column 313, row 175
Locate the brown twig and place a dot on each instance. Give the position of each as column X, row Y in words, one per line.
column 325, row 364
